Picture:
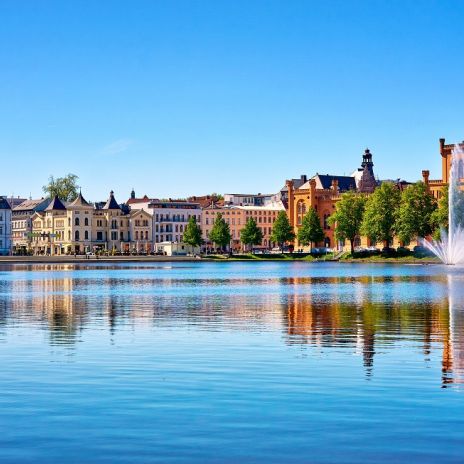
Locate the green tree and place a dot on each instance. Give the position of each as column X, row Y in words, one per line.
column 251, row 234
column 220, row 232
column 414, row 214
column 65, row 188
column 310, row 231
column 282, row 230
column 439, row 218
column 192, row 233
column 348, row 217
column 217, row 196
column 380, row 213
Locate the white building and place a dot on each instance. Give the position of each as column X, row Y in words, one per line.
column 170, row 217
column 5, row 227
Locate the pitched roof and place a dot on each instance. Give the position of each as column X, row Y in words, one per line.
column 325, row 182
column 111, row 202
column 56, row 204
column 80, row 201
column 137, row 200
column 4, row 203
column 28, row 205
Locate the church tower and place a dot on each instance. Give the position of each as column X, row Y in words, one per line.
column 367, row 183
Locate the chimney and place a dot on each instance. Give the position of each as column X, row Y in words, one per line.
column 335, row 186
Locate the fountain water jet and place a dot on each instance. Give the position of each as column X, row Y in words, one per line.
column 450, row 247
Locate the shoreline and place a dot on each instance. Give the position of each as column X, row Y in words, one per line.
column 212, row 259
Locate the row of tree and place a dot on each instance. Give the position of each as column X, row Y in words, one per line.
column 381, row 216
column 388, row 212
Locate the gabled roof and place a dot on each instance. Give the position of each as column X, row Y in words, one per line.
column 56, row 205
column 33, row 205
column 325, row 182
column 80, row 201
column 111, row 202
column 4, row 203
column 344, row 182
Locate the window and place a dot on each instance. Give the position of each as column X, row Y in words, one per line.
column 86, row 221
column 136, row 235
column 86, row 235
column 300, row 211
column 76, row 221
column 76, row 235
column 99, row 235
column 326, row 221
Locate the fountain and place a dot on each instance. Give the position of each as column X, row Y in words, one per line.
column 450, row 247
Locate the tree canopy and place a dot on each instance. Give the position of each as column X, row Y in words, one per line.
column 380, row 213
column 311, row 230
column 65, row 188
column 220, row 232
column 192, row 233
column 348, row 217
column 251, row 234
column 282, row 230
column 413, row 218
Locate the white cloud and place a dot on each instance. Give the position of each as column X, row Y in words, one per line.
column 118, row 146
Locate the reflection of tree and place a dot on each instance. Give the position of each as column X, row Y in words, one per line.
column 361, row 325
column 453, row 333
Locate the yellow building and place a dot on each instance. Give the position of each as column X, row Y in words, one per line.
column 79, row 227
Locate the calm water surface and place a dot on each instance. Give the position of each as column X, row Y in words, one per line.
column 231, row 362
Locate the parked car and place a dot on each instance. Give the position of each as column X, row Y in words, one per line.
column 359, row 249
column 372, row 248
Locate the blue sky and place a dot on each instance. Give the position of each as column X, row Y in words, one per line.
column 178, row 98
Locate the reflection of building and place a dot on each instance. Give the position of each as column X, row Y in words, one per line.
column 453, row 340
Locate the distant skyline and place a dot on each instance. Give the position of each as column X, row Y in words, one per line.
column 180, row 98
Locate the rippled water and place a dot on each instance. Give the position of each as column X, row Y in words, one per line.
column 231, row 362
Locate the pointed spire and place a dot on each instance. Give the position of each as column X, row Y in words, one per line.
column 80, row 200
column 56, row 205
column 111, row 202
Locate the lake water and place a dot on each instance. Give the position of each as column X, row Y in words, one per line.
column 231, row 362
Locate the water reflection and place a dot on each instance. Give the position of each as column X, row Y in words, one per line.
column 366, row 314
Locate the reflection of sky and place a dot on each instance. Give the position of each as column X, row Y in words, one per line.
column 206, row 349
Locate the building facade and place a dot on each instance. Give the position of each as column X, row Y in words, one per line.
column 322, row 192
column 436, row 186
column 236, row 217
column 22, row 224
column 5, row 227
column 169, row 217
column 79, row 227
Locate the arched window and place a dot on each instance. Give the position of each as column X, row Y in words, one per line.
column 301, row 211
column 86, row 234
column 86, row 221
column 136, row 235
column 69, row 235
column 326, row 221
column 76, row 235
column 76, row 221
